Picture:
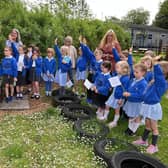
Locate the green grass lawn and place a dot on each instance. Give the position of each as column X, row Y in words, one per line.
column 47, row 140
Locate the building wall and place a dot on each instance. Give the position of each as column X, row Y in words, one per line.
column 144, row 38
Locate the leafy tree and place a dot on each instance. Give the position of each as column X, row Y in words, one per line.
column 161, row 19
column 137, row 16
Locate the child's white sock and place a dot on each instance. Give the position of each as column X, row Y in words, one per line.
column 130, row 125
column 49, row 93
column 135, row 126
column 106, row 112
column 116, row 118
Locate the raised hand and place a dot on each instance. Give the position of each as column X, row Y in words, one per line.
column 56, row 40
column 80, row 38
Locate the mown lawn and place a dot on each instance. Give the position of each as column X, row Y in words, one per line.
column 47, row 140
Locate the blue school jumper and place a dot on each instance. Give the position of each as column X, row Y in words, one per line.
column 62, row 68
column 103, row 86
column 102, row 83
column 95, row 66
column 9, row 67
column 25, row 60
column 49, row 69
column 149, row 76
column 81, row 65
column 134, row 101
column 36, row 71
column 151, row 107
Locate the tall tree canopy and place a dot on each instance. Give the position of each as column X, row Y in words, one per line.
column 161, row 19
column 137, row 16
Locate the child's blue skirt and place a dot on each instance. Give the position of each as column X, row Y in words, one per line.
column 80, row 75
column 153, row 112
column 132, row 109
column 62, row 78
column 113, row 102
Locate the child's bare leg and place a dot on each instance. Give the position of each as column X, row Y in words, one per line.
column 116, row 118
column 11, row 90
column 37, row 90
column 7, row 90
column 33, row 86
column 17, row 89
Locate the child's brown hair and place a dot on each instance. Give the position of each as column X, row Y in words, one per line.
column 37, row 50
column 107, row 64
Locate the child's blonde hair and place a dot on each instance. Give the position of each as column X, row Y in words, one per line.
column 147, row 58
column 51, row 50
column 65, row 48
column 125, row 70
column 141, row 66
column 104, row 39
column 164, row 66
column 150, row 53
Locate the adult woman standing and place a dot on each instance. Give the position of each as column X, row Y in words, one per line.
column 108, row 41
column 14, row 36
column 73, row 54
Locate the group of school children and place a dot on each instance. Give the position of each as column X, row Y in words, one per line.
column 139, row 94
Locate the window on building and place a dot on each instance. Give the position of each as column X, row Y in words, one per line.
column 149, row 36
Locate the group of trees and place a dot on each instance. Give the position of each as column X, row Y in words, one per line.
column 41, row 24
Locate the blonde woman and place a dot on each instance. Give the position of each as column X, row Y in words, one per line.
column 15, row 38
column 108, row 41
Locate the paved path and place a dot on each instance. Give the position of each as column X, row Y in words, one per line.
column 16, row 104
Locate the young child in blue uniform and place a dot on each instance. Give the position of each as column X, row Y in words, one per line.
column 151, row 108
column 95, row 61
column 9, row 72
column 134, row 97
column 29, row 56
column 148, row 61
column 116, row 99
column 64, row 65
column 49, row 69
column 101, row 89
column 22, row 66
column 81, row 66
column 36, row 63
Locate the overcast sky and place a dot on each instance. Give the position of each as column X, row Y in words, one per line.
column 119, row 8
